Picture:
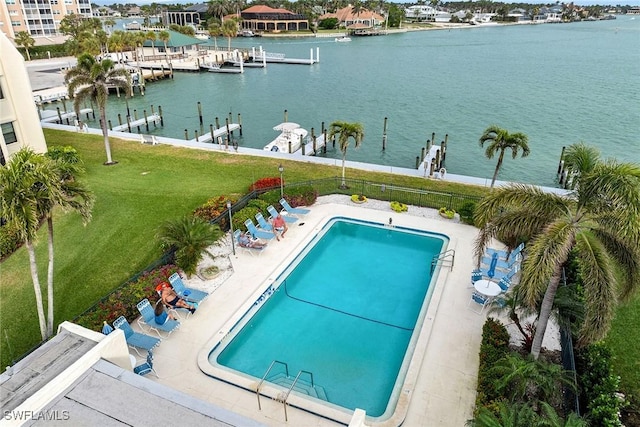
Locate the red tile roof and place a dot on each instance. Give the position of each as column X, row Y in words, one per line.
column 265, row 9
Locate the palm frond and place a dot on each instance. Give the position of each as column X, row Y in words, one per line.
column 544, row 254
column 599, row 286
column 626, row 255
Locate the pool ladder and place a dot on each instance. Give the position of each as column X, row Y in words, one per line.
column 282, row 397
column 446, row 256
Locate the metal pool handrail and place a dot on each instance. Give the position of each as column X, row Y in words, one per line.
column 442, row 256
column 286, row 396
column 286, row 367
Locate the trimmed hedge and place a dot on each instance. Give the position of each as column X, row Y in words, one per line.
column 598, row 385
column 494, row 346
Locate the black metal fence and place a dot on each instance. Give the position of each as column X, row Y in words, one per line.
column 571, row 400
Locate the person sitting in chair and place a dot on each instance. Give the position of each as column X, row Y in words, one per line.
column 170, row 298
column 161, row 314
column 246, row 241
column 279, row 226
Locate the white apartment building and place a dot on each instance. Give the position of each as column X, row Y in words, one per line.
column 40, row 18
column 18, row 115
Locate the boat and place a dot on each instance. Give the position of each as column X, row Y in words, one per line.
column 292, row 135
column 248, row 33
column 343, row 39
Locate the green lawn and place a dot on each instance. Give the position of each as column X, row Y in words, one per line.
column 149, row 185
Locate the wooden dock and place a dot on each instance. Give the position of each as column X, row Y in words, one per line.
column 50, row 116
column 280, row 58
column 311, row 149
column 217, row 134
column 153, row 118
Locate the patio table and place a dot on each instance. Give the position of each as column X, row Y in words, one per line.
column 487, row 287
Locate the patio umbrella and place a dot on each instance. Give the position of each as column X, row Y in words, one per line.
column 106, row 329
column 492, row 266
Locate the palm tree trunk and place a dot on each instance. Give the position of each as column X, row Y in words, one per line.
column 545, row 314
column 50, row 277
column 36, row 288
column 344, row 183
column 498, row 166
column 105, row 133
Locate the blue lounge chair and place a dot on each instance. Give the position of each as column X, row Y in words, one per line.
column 293, row 211
column 505, row 255
column 475, row 276
column 478, row 299
column 503, row 265
column 135, row 340
column 251, row 250
column 267, row 235
column 274, row 213
column 147, row 366
column 148, row 318
column 262, row 223
column 504, row 283
column 188, row 294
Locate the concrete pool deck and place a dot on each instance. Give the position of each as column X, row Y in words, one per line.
column 444, row 390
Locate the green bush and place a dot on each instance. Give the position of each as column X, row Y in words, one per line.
column 213, row 208
column 598, row 385
column 242, row 215
column 466, row 212
column 271, row 197
column 122, row 301
column 494, row 346
column 301, row 196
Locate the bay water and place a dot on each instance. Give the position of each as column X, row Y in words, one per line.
column 557, row 83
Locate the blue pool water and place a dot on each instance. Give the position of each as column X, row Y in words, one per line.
column 346, row 310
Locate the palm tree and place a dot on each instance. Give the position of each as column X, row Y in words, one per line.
column 19, row 184
column 345, row 131
column 189, row 236
column 165, row 36
column 152, row 37
column 69, row 194
column 215, row 30
column 91, row 79
column 25, row 40
column 500, row 141
column 31, row 186
column 218, row 8
column 600, row 221
column 229, row 29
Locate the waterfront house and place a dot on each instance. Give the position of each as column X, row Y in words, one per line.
column 350, row 20
column 267, row 19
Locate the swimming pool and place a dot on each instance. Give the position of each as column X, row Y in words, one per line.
column 347, row 311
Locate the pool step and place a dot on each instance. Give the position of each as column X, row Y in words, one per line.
column 302, row 386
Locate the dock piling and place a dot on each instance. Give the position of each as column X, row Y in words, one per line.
column 226, row 145
column 119, row 119
column 200, row 112
column 196, row 131
column 146, row 120
column 129, row 123
column 561, row 162
column 302, row 145
column 211, row 131
column 418, row 161
column 160, row 113
column 217, row 123
column 110, row 127
column 384, row 135
column 286, row 116
column 324, row 133
column 422, row 154
column 59, row 115
column 186, row 134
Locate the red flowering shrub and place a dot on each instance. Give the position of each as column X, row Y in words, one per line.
column 122, row 301
column 268, row 182
column 213, row 208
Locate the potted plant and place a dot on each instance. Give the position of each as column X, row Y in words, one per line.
column 358, row 198
column 399, row 207
column 447, row 213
